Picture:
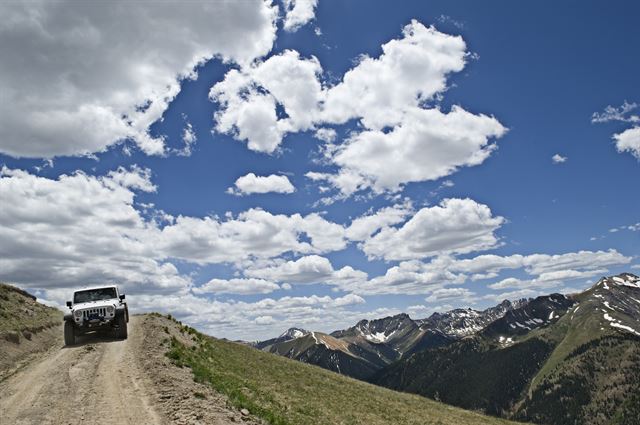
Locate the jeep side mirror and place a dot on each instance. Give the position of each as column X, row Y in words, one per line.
column 69, row 304
column 122, row 296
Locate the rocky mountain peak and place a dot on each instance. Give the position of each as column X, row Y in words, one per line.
column 293, row 333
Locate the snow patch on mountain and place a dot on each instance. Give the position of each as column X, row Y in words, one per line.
column 624, row 327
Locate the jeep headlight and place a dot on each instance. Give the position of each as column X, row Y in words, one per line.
column 110, row 309
column 78, row 313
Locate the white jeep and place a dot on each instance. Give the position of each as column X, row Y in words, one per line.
column 96, row 309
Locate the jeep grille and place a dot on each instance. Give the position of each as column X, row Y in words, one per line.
column 94, row 311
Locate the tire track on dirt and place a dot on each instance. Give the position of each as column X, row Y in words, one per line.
column 98, row 381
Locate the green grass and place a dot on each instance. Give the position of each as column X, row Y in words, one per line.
column 286, row 392
column 18, row 312
column 570, row 332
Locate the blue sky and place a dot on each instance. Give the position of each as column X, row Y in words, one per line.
column 442, row 142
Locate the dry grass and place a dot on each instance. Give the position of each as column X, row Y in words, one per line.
column 19, row 312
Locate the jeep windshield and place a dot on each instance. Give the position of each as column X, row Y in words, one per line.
column 94, row 295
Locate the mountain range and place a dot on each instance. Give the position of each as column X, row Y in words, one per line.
column 554, row 359
column 371, row 345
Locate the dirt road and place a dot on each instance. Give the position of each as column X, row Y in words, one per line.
column 98, row 381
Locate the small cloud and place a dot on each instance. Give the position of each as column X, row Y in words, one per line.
column 298, row 13
column 189, row 138
column 327, row 135
column 558, row 159
column 622, row 113
column 444, row 185
column 264, row 320
column 250, row 184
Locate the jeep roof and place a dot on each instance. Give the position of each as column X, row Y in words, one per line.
column 89, row 288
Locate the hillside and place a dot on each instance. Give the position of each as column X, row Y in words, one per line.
column 556, row 360
column 593, row 375
column 283, row 391
column 27, row 327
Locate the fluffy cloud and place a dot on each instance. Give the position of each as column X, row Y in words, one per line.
column 400, row 141
column 252, row 234
column 82, row 229
column 250, row 184
column 307, row 270
column 547, row 279
column 327, row 135
column 248, row 100
column 362, row 228
column 426, row 144
column 450, row 294
column 242, row 319
column 76, row 79
column 410, row 71
column 136, row 179
column 79, row 230
column 236, row 286
column 408, row 277
column 298, row 13
column 558, row 159
column 455, row 226
column 538, row 264
column 629, row 141
column 546, row 271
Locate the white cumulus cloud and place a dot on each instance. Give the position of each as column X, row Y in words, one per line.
column 426, row 144
column 455, row 226
column 248, row 100
column 250, row 184
column 298, row 13
column 76, row 78
column 546, row 271
column 307, row 270
column 236, row 286
column 79, row 230
column 401, row 139
column 629, row 141
column 558, row 159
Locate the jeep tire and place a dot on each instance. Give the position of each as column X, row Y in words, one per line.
column 121, row 323
column 69, row 333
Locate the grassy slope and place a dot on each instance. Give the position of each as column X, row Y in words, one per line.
column 573, row 330
column 19, row 312
column 284, row 391
column 592, row 376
